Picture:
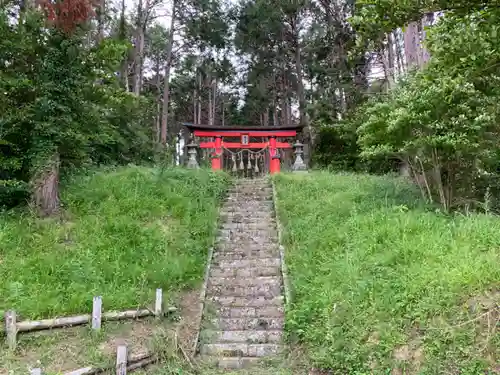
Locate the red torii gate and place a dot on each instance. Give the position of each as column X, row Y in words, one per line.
column 218, row 133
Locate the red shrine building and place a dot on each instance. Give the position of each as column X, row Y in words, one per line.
column 256, row 149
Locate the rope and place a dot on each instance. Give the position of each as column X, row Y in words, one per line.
column 252, row 155
column 237, row 153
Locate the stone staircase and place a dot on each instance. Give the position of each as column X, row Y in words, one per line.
column 244, row 304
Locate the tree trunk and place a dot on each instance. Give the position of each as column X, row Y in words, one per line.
column 158, row 102
column 123, row 36
column 214, row 104
column 399, row 54
column 139, row 47
column 266, row 117
column 390, row 60
column 307, row 131
column 195, row 100
column 166, row 83
column 101, row 15
column 45, row 196
column 223, row 116
column 210, row 104
column 411, row 42
column 427, row 20
column 199, row 98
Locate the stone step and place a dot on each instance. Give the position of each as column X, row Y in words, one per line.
column 247, row 263
column 241, row 254
column 245, row 272
column 246, row 248
column 256, row 236
column 250, row 312
column 244, row 239
column 241, row 350
column 234, row 301
column 249, row 205
column 245, row 242
column 247, row 230
column 263, row 191
column 250, row 221
column 269, row 233
column 243, row 215
column 249, row 337
column 254, row 226
column 261, row 194
column 225, row 246
column 239, row 324
column 249, row 181
column 236, row 363
column 239, row 216
column 245, row 281
column 244, row 209
column 268, row 291
column 250, row 200
column 231, row 363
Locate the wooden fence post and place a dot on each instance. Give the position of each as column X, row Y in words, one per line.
column 11, row 329
column 121, row 360
column 96, row 312
column 159, row 303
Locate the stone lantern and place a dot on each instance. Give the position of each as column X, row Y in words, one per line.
column 192, row 151
column 299, row 165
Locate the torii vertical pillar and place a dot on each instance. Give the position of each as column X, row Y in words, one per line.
column 275, row 161
column 217, row 155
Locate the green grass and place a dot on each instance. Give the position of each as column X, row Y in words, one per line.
column 125, row 232
column 383, row 283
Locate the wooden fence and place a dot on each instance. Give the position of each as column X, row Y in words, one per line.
column 123, row 364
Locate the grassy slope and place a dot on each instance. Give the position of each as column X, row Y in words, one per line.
column 126, row 233
column 382, row 283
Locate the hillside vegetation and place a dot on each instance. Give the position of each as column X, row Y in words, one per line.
column 125, row 232
column 383, row 282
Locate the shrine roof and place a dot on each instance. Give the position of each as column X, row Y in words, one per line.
column 243, row 128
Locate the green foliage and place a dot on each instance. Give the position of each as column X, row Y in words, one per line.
column 383, row 284
column 443, row 121
column 127, row 232
column 337, row 149
column 373, row 19
column 60, row 96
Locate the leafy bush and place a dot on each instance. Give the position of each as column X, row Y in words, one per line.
column 443, row 122
column 59, row 96
column 337, row 149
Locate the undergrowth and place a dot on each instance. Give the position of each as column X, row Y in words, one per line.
column 383, row 284
column 123, row 233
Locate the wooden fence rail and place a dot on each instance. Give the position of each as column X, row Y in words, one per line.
column 13, row 327
column 123, row 364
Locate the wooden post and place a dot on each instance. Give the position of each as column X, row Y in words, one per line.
column 159, row 303
column 11, row 329
column 121, row 360
column 36, row 371
column 96, row 312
